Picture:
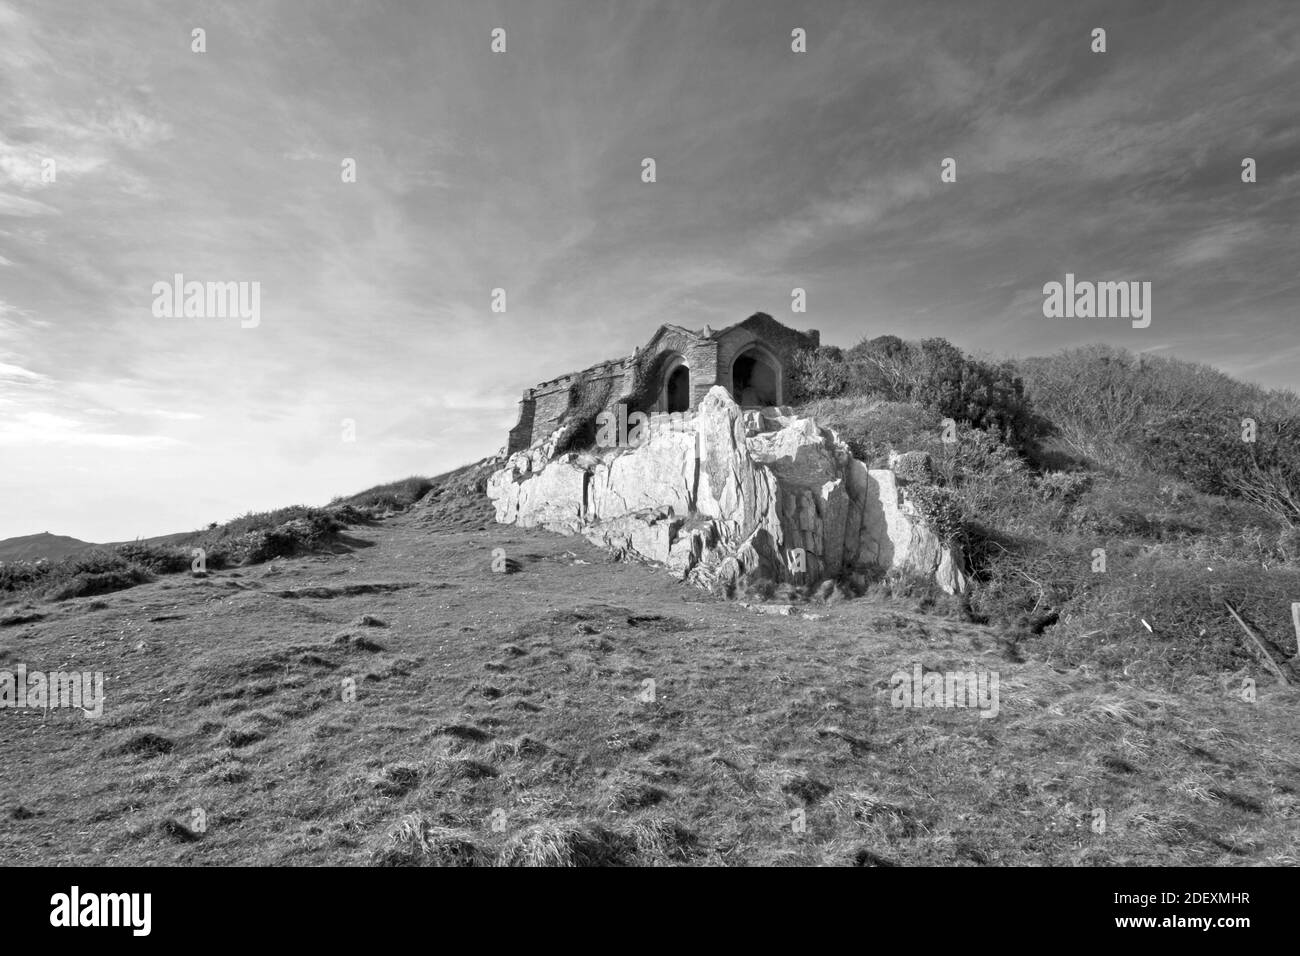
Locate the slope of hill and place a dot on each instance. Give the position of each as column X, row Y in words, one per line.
column 401, row 703
column 34, row 547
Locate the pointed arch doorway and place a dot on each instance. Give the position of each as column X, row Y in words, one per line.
column 675, row 395
column 756, row 378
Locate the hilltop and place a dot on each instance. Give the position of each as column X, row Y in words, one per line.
column 35, row 547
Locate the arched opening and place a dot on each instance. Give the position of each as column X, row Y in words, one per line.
column 755, row 379
column 677, row 392
column 674, row 385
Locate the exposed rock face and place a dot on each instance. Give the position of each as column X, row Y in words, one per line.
column 719, row 494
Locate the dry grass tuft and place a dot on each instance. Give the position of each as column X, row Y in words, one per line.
column 417, row 842
column 568, row 843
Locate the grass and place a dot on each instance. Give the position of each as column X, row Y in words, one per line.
column 82, row 575
column 377, row 695
column 1121, row 572
column 394, row 496
column 501, row 720
column 254, row 538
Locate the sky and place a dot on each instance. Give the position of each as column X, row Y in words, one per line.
column 522, row 170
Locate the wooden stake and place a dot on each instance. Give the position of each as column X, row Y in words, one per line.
column 1295, row 619
column 1271, row 664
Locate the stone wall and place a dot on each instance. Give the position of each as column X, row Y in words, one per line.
column 703, row 360
column 545, row 406
column 707, row 355
column 521, row 436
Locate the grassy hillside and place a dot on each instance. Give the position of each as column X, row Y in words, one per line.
column 1109, row 504
column 578, row 710
column 253, row 539
column 506, row 718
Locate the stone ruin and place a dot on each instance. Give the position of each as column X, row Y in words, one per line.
column 670, row 373
column 722, row 494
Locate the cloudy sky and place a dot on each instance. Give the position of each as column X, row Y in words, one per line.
column 522, row 170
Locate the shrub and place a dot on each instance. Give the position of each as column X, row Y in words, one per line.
column 81, row 575
column 941, row 510
column 988, row 473
column 308, row 532
column 394, row 496
column 874, row 429
column 21, row 575
column 817, row 374
column 97, row 572
column 914, row 466
column 1133, row 413
column 158, row 559
column 1022, row 581
column 285, row 532
column 1212, row 456
column 937, row 374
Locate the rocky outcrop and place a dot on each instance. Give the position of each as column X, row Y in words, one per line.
column 722, row 493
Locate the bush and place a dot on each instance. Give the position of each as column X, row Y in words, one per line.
column 1023, row 581
column 21, row 575
column 1132, row 414
column 1212, row 456
column 96, row 572
column 989, row 474
column 938, row 375
column 1167, row 511
column 914, row 466
column 873, row 430
column 157, row 559
column 286, row 532
column 941, row 509
column 85, row 585
column 394, row 496
column 309, row 532
column 816, row 374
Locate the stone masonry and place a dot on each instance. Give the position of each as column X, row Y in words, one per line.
column 671, row 373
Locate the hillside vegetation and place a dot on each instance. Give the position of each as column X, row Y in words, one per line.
column 1109, row 504
column 249, row 540
column 504, row 718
